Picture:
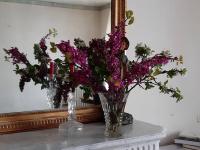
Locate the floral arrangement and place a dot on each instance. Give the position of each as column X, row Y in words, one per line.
column 101, row 66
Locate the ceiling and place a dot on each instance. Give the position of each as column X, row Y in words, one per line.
column 96, row 3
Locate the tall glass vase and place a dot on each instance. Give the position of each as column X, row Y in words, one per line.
column 113, row 107
column 71, row 125
column 51, row 92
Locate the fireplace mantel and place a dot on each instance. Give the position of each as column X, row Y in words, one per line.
column 139, row 136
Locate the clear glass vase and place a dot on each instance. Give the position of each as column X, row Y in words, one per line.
column 113, row 107
column 71, row 126
column 51, row 92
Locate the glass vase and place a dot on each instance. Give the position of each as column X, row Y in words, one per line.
column 113, row 107
column 51, row 92
column 71, row 126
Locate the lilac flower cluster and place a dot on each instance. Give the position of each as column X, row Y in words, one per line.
column 113, row 62
column 141, row 69
column 73, row 55
column 16, row 56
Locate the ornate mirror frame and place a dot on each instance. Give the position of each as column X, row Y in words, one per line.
column 36, row 120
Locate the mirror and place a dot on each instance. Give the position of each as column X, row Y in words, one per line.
column 24, row 23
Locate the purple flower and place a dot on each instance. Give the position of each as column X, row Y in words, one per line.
column 16, row 56
column 141, row 69
column 73, row 55
column 64, row 46
column 43, row 44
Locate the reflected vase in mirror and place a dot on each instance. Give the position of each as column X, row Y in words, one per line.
column 51, row 92
column 71, row 126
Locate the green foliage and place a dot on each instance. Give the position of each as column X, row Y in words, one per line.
column 129, row 14
column 175, row 93
column 99, row 71
column 150, row 81
column 180, row 60
column 183, row 71
column 156, row 71
column 129, row 17
column 79, row 43
column 37, row 52
column 148, row 85
column 166, row 53
column 174, row 72
column 37, row 72
column 142, row 51
column 53, row 32
column 171, row 73
column 53, row 48
column 87, row 91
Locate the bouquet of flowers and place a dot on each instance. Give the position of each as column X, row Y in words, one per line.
column 100, row 68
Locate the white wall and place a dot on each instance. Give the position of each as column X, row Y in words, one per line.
column 174, row 25
column 105, row 21
column 22, row 25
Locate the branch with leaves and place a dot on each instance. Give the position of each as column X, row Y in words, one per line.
column 143, row 55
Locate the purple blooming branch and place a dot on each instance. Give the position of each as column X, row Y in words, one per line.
column 16, row 56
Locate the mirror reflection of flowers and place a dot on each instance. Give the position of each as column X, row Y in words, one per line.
column 101, row 66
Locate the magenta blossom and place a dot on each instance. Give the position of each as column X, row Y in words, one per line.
column 64, row 46
column 16, row 56
column 43, row 44
column 143, row 68
column 73, row 55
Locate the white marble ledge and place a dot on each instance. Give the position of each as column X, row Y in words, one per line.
column 92, row 137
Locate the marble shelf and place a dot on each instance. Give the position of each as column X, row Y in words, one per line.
column 139, row 136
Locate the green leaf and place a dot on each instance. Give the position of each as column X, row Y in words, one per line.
column 53, row 49
column 79, row 43
column 50, row 31
column 166, row 53
column 142, row 50
column 17, row 67
column 180, row 60
column 131, row 21
column 52, row 44
column 129, row 14
column 165, row 83
column 55, row 32
column 43, row 87
column 58, row 61
column 6, row 58
column 156, row 72
column 171, row 73
column 148, row 86
column 183, row 71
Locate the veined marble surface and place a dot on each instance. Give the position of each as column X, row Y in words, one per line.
column 91, row 137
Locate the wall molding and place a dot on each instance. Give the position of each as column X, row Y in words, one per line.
column 61, row 5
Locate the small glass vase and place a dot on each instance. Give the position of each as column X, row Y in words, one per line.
column 51, row 92
column 113, row 107
column 71, row 126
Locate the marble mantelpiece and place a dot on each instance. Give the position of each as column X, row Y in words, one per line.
column 139, row 136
